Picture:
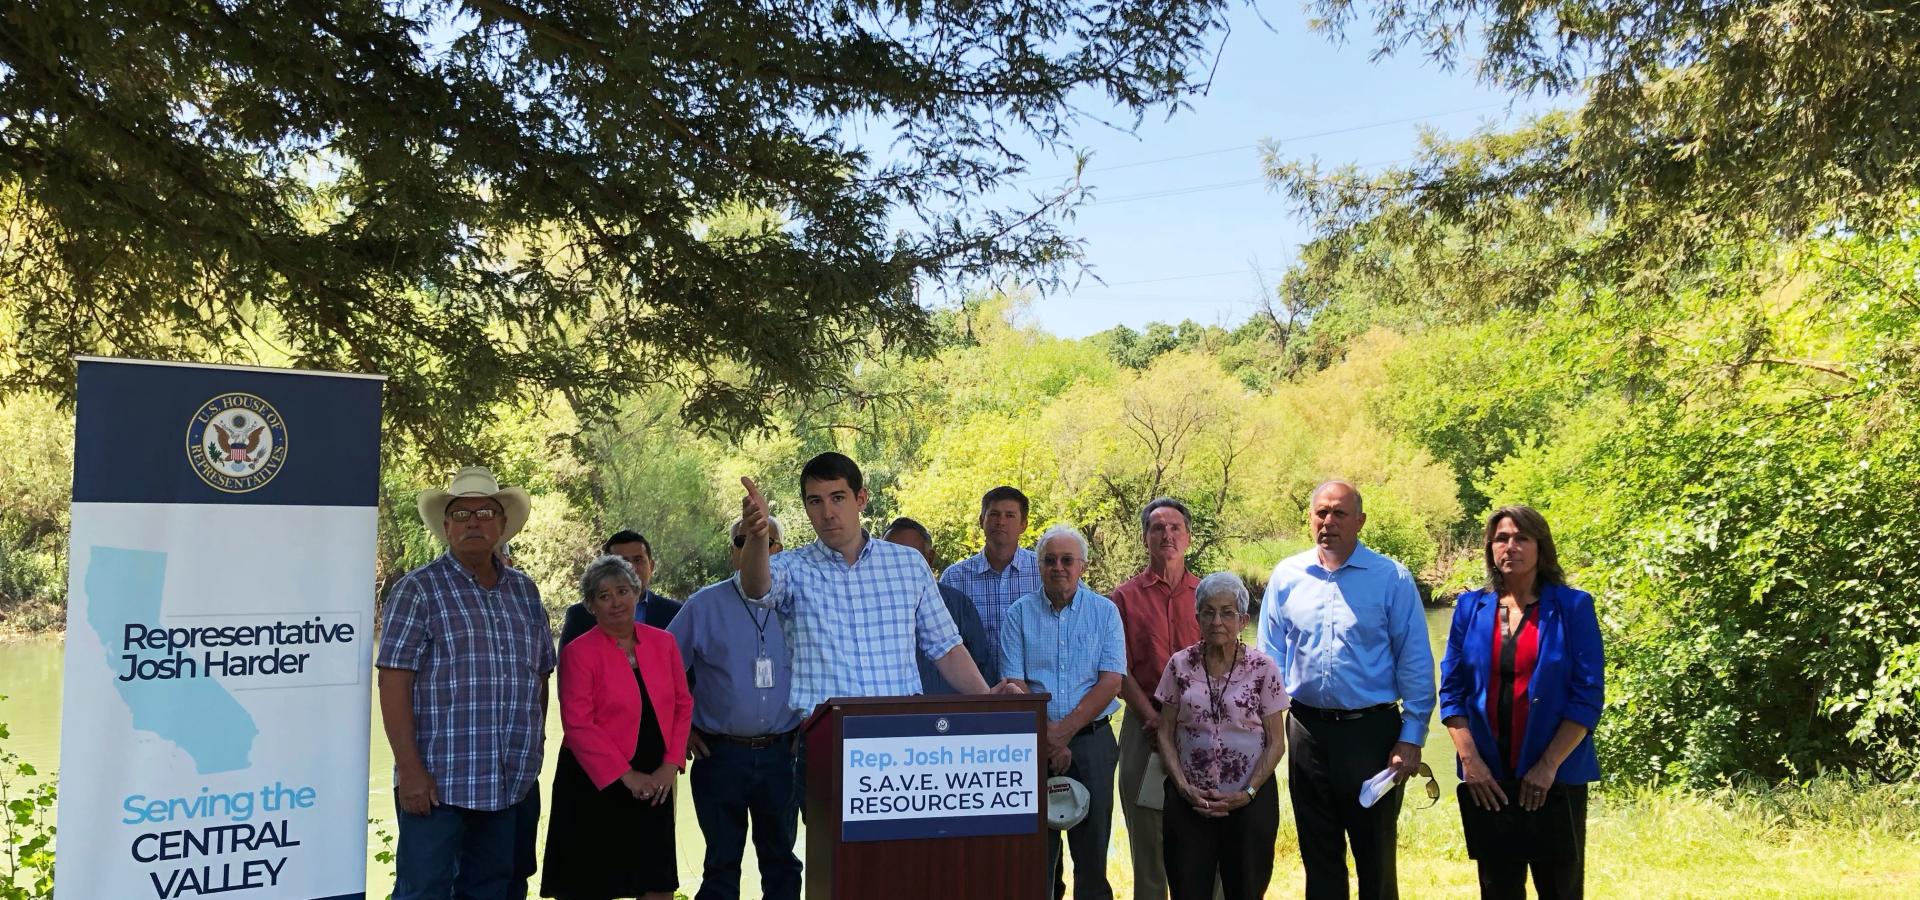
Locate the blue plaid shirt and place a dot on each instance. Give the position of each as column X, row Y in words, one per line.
column 1063, row 652
column 856, row 627
column 479, row 657
column 993, row 592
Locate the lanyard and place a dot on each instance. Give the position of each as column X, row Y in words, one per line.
column 759, row 623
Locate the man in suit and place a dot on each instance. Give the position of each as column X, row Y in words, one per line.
column 654, row 610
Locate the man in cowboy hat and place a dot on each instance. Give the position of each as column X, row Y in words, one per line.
column 465, row 653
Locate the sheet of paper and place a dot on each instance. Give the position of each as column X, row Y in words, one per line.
column 1153, row 787
column 1376, row 787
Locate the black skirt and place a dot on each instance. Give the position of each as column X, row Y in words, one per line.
column 602, row 843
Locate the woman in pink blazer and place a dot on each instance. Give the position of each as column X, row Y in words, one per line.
column 626, row 712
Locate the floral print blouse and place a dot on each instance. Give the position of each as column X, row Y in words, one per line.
column 1220, row 735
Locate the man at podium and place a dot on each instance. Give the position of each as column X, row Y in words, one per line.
column 860, row 608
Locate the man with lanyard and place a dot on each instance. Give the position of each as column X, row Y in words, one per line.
column 741, row 670
column 858, row 609
column 1066, row 640
column 654, row 609
column 465, row 653
column 1346, row 626
column 1002, row 572
column 1156, row 609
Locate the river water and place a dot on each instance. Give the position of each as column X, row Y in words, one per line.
column 30, row 680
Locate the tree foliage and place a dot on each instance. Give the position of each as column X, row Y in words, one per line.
column 493, row 199
column 1700, row 126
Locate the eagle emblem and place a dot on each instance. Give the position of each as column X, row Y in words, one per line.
column 237, row 442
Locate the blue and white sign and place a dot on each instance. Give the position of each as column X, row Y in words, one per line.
column 927, row 776
column 215, row 718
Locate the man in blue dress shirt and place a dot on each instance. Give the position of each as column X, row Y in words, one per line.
column 1067, row 640
column 741, row 668
column 1346, row 626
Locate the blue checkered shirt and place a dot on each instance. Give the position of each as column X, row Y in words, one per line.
column 855, row 627
column 479, row 658
column 993, row 592
column 1063, row 652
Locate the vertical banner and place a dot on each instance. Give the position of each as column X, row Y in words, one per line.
column 214, row 724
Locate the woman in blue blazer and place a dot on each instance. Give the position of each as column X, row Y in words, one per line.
column 1521, row 687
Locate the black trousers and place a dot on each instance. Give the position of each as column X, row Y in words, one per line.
column 1235, row 850
column 1328, row 761
column 1562, row 879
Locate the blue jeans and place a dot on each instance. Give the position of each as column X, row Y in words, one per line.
column 453, row 853
column 1095, row 757
column 736, row 783
column 526, row 829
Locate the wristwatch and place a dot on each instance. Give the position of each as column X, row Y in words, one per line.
column 1250, row 794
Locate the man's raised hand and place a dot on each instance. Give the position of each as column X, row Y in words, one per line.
column 753, row 511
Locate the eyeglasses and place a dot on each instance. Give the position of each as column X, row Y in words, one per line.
column 1065, row 562
column 483, row 514
column 1209, row 615
column 1433, row 787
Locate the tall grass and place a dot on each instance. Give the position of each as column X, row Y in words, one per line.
column 1833, row 837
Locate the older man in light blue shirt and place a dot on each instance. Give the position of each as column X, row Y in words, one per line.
column 1067, row 640
column 1346, row 627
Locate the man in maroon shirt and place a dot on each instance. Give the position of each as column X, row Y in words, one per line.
column 1157, row 615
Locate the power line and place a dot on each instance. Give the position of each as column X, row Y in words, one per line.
column 1245, row 147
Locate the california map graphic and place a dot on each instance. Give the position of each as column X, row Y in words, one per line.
column 196, row 714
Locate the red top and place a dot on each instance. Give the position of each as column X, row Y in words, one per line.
column 1158, row 619
column 1513, row 663
column 600, row 703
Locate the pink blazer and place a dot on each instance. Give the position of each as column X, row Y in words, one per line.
column 600, row 704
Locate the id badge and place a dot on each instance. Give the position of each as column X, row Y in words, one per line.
column 762, row 672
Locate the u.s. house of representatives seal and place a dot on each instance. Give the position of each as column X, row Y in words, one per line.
column 237, row 442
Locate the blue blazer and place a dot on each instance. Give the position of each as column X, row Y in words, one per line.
column 1568, row 683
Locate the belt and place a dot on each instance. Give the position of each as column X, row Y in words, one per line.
column 1340, row 715
column 754, row 743
column 1091, row 726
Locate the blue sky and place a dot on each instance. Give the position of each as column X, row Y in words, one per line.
column 1168, row 251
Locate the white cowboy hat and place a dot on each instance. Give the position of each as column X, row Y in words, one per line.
column 474, row 481
column 1067, row 801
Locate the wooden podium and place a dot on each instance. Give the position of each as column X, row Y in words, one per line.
column 925, row 858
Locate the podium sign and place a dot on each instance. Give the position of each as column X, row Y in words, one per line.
column 934, row 776
column 933, row 798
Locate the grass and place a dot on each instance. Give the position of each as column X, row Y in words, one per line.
column 1831, row 838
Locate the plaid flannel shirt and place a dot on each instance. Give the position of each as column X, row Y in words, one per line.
column 857, row 627
column 479, row 658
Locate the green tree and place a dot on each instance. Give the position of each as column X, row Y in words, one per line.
column 491, row 199
column 1701, row 126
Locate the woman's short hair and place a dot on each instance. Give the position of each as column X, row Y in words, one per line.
column 1222, row 583
column 1534, row 525
column 601, row 569
column 1062, row 531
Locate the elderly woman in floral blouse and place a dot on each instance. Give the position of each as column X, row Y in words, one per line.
column 1221, row 720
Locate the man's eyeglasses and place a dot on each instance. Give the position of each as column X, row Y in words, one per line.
column 1433, row 787
column 1062, row 561
column 483, row 514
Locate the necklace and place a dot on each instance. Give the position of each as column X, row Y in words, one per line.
column 1218, row 698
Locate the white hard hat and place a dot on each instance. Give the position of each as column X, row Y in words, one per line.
column 1066, row 802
